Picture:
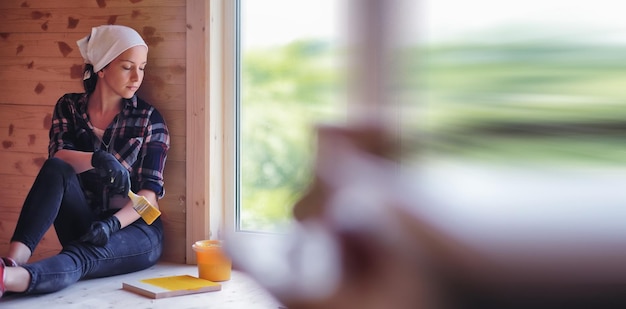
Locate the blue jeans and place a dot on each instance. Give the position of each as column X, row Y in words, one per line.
column 56, row 198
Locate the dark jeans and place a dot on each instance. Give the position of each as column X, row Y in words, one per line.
column 56, row 197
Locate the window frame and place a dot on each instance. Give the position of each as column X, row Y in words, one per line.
column 231, row 66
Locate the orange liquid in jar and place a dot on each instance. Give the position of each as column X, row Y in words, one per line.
column 213, row 264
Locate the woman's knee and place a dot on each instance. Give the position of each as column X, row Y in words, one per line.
column 55, row 166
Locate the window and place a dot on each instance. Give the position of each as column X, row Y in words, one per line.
column 288, row 79
column 534, row 82
column 489, row 82
column 526, row 86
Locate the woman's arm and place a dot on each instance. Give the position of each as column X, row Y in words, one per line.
column 79, row 160
column 128, row 215
column 150, row 173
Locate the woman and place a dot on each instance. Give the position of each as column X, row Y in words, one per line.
column 103, row 143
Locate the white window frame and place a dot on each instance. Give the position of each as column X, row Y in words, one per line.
column 370, row 101
column 230, row 113
column 230, row 99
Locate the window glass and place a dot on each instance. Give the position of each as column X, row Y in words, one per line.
column 534, row 82
column 290, row 79
column 539, row 82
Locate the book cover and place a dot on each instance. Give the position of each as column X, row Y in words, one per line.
column 162, row 287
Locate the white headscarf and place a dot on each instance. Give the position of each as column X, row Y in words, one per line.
column 107, row 42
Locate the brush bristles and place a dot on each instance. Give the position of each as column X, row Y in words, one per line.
column 142, row 206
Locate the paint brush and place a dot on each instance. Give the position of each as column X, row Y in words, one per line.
column 142, row 206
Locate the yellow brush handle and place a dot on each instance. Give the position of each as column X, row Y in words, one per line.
column 142, row 206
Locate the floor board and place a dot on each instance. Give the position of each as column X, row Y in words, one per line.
column 239, row 292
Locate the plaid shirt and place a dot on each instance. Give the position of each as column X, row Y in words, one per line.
column 138, row 138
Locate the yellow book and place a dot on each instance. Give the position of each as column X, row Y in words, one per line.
column 162, row 287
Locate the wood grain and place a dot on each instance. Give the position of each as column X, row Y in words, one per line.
column 197, row 127
column 39, row 20
column 162, row 45
column 51, row 4
column 161, row 71
column 39, row 62
column 239, row 292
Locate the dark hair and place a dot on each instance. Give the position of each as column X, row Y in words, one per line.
column 90, row 83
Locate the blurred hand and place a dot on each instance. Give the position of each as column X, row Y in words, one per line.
column 101, row 231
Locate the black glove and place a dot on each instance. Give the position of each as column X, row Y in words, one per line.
column 100, row 231
column 113, row 173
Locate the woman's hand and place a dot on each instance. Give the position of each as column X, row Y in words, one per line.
column 101, row 231
column 113, row 173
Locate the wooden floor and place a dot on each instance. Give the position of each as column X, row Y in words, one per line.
column 239, row 292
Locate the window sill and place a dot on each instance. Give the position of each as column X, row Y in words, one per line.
column 238, row 292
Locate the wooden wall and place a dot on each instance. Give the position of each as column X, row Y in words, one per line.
column 39, row 62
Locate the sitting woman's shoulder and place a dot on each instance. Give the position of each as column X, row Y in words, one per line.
column 73, row 96
column 148, row 110
column 143, row 104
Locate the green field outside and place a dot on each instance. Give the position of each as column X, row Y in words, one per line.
column 541, row 102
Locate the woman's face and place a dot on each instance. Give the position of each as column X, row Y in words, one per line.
column 124, row 74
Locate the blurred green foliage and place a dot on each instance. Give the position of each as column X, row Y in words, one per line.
column 285, row 92
column 547, row 102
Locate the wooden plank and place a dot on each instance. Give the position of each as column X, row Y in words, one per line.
column 29, row 163
column 13, row 201
column 24, row 140
column 164, row 97
column 36, row 92
column 174, row 242
column 80, row 20
column 197, row 126
column 160, row 71
column 174, row 177
column 13, row 117
column 166, row 71
column 51, row 4
column 48, row 246
column 13, row 189
column 37, row 142
column 39, row 62
column 173, row 208
column 172, row 205
column 21, row 163
column 175, row 121
column 17, row 69
column 29, row 117
column 8, row 222
column 174, row 230
column 7, row 226
column 18, row 134
column 39, row 44
column 177, row 150
column 51, row 44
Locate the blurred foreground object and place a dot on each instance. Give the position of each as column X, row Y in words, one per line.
column 376, row 232
column 446, row 235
